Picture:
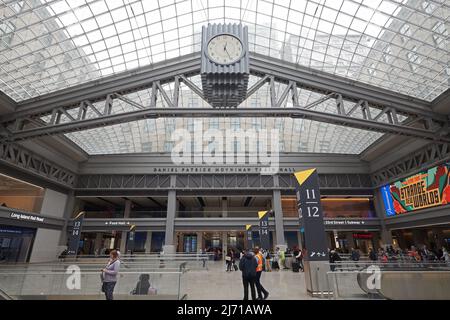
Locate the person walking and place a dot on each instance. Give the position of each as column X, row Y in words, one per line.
column 354, row 255
column 283, row 259
column 248, row 265
column 298, row 256
column 267, row 259
column 372, row 255
column 276, row 259
column 229, row 259
column 262, row 292
column 109, row 275
column 445, row 256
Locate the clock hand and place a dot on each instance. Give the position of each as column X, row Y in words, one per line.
column 227, row 53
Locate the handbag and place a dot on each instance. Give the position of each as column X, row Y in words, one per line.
column 104, row 287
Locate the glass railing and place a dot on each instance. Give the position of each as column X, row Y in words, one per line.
column 80, row 278
column 389, row 280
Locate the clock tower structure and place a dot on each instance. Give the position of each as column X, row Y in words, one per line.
column 225, row 64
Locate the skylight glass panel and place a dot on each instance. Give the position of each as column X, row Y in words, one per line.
column 352, row 32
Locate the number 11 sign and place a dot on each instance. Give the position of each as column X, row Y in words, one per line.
column 311, row 214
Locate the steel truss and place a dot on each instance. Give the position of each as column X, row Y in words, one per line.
column 431, row 154
column 22, row 158
column 355, row 105
column 215, row 182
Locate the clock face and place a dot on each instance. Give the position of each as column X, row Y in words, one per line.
column 224, row 49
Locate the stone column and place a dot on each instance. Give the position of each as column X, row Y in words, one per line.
column 386, row 236
column 224, row 244
column 123, row 239
column 438, row 238
column 46, row 242
column 199, row 241
column 148, row 242
column 169, row 246
column 419, row 238
column 350, row 241
column 224, row 207
column 69, row 211
column 278, row 212
column 98, row 243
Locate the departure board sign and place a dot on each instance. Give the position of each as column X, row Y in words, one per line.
column 264, row 229
column 75, row 235
column 426, row 189
column 248, row 236
column 311, row 214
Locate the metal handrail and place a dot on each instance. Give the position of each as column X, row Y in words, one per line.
column 4, row 295
column 89, row 272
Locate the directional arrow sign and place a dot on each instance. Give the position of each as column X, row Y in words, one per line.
column 310, row 213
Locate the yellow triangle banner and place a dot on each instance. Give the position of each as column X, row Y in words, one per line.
column 301, row 176
column 261, row 214
column 248, row 226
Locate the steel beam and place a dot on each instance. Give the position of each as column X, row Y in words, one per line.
column 154, row 113
column 222, row 182
column 326, row 83
column 123, row 83
column 28, row 161
column 381, row 109
column 430, row 155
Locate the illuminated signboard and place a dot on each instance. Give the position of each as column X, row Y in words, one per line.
column 425, row 189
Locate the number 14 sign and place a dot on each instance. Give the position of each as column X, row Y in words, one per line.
column 311, row 214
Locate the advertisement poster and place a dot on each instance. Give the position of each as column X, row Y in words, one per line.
column 426, row 189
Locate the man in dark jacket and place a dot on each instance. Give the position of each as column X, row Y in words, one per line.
column 248, row 266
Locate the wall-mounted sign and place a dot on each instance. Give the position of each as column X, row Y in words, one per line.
column 264, row 229
column 117, row 223
column 362, row 236
column 344, row 222
column 75, row 235
column 311, row 214
column 429, row 188
column 26, row 217
column 218, row 169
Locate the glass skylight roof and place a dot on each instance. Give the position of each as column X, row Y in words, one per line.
column 49, row 45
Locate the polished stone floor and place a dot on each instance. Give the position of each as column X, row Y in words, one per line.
column 217, row 284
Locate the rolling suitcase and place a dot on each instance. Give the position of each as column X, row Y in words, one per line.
column 295, row 266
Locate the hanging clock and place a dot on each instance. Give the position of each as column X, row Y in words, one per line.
column 225, row 66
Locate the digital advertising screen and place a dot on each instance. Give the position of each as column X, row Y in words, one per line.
column 428, row 188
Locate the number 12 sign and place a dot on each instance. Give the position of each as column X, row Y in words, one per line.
column 311, row 214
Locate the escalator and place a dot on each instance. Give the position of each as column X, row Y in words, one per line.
column 5, row 296
column 411, row 283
